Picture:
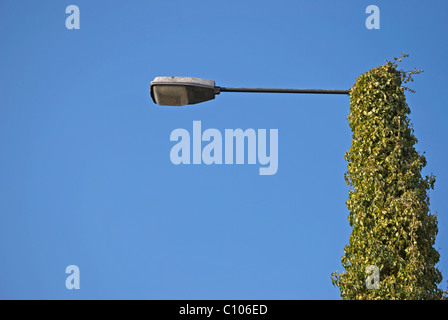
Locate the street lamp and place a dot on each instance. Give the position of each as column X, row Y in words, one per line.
column 179, row 91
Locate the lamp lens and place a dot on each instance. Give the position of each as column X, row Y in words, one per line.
column 171, row 95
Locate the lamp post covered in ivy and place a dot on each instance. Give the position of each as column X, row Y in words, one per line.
column 393, row 229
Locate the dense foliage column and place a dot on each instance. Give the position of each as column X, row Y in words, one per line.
column 393, row 229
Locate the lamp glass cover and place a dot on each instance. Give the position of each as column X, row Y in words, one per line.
column 169, row 95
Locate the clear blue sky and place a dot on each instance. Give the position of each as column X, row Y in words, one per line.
column 85, row 172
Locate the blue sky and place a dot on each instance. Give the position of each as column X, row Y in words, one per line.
column 86, row 177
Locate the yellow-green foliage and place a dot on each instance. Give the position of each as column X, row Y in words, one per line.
column 388, row 201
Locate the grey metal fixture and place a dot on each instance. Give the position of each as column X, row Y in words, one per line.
column 180, row 91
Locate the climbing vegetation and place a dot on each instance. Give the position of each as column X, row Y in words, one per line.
column 392, row 226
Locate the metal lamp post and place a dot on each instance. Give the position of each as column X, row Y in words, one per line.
column 180, row 91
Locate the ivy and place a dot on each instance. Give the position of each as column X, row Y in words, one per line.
column 388, row 201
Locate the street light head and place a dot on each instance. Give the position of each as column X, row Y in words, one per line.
column 179, row 91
